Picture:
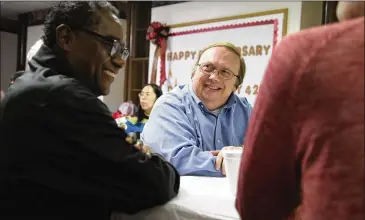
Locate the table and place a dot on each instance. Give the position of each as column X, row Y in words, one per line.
column 199, row 198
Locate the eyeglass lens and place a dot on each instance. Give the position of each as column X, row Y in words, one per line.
column 119, row 49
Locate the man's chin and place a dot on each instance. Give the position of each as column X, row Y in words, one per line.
column 105, row 91
column 212, row 96
column 210, row 92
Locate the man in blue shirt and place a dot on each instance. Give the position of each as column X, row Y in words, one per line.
column 191, row 125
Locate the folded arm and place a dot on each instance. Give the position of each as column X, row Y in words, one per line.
column 94, row 159
column 170, row 133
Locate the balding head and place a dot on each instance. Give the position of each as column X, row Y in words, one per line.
column 232, row 48
column 349, row 10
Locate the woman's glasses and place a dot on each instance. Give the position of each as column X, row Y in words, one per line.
column 117, row 48
column 145, row 94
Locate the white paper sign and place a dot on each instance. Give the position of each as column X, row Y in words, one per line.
column 255, row 37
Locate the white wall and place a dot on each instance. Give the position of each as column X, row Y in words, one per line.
column 34, row 34
column 115, row 97
column 9, row 45
column 196, row 11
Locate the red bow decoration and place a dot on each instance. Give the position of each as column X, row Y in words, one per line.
column 157, row 33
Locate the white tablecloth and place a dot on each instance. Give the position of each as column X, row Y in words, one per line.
column 200, row 198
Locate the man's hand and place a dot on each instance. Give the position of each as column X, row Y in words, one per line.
column 147, row 151
column 131, row 139
column 143, row 148
column 219, row 163
column 215, row 152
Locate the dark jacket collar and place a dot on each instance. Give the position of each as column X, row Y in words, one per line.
column 55, row 59
column 52, row 59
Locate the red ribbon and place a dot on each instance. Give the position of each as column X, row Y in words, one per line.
column 154, row 65
column 163, row 61
column 157, row 34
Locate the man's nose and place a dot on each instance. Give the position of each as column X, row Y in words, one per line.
column 118, row 62
column 214, row 75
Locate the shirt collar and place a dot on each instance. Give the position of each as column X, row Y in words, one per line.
column 230, row 103
column 192, row 93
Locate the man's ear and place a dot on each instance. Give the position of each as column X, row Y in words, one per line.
column 64, row 37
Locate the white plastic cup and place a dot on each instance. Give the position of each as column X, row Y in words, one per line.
column 232, row 161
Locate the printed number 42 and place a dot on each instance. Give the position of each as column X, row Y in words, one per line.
column 254, row 90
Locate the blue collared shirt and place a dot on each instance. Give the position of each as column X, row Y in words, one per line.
column 183, row 130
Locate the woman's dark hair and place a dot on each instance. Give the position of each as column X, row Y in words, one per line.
column 157, row 90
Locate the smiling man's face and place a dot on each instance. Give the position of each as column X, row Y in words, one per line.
column 212, row 90
column 90, row 57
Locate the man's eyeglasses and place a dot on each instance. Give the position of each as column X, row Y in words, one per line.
column 208, row 68
column 117, row 48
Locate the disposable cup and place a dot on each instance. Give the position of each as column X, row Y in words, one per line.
column 232, row 160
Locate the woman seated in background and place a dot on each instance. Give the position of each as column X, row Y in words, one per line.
column 133, row 125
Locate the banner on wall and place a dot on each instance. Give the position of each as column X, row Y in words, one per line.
column 255, row 35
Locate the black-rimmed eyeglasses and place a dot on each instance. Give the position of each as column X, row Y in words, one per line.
column 116, row 46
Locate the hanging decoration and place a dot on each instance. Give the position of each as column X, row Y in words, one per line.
column 157, row 33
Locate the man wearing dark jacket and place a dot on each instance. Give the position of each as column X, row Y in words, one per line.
column 62, row 155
